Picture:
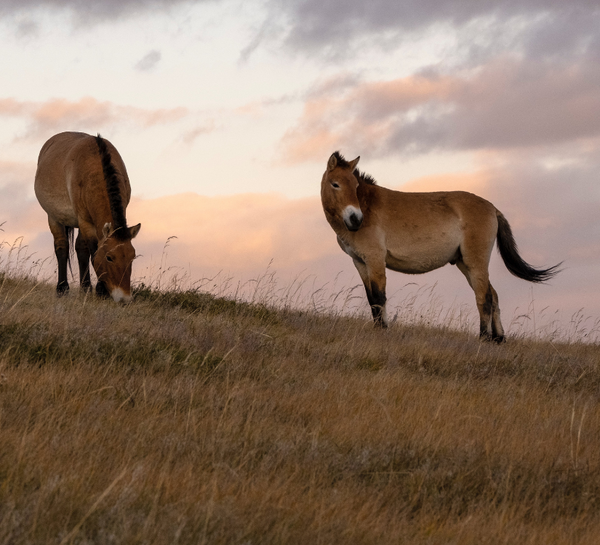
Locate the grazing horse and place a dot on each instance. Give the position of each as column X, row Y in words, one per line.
column 418, row 232
column 81, row 181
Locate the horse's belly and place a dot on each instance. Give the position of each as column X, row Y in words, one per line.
column 414, row 265
column 58, row 207
column 422, row 260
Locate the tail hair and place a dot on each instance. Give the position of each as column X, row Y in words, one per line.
column 70, row 232
column 514, row 262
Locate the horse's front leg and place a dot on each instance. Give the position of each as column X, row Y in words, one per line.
column 83, row 257
column 61, row 249
column 373, row 277
column 88, row 234
column 101, row 290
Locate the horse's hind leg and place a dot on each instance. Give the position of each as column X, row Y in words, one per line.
column 490, row 327
column 83, row 257
column 374, row 280
column 61, row 249
column 497, row 329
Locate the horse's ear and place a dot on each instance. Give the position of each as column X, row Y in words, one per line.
column 133, row 231
column 354, row 163
column 106, row 230
column 332, row 163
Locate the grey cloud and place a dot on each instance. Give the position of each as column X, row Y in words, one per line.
column 27, row 28
column 520, row 105
column 90, row 12
column 554, row 209
column 149, row 61
column 505, row 104
column 335, row 26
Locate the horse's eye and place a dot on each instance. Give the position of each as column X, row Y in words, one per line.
column 335, row 185
column 109, row 259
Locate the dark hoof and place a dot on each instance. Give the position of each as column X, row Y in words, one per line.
column 101, row 290
column 492, row 339
column 86, row 288
column 62, row 289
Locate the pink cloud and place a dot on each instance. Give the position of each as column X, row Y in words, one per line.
column 506, row 104
column 54, row 115
column 474, row 182
column 237, row 233
column 18, row 208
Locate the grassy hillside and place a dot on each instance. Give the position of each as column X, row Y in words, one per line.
column 188, row 418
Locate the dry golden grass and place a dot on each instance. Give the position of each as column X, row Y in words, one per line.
column 188, row 418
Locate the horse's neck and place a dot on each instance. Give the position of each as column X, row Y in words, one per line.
column 366, row 193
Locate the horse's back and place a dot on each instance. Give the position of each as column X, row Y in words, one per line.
column 51, row 187
column 69, row 164
column 432, row 212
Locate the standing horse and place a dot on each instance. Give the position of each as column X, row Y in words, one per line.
column 81, row 181
column 418, row 232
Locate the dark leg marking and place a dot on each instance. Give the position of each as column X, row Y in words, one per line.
column 377, row 301
column 101, row 290
column 62, row 256
column 486, row 315
column 83, row 257
column 489, row 308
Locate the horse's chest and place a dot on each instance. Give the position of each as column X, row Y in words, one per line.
column 349, row 250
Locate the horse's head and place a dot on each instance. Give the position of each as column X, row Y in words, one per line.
column 339, row 192
column 112, row 262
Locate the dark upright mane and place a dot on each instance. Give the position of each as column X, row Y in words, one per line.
column 112, row 188
column 341, row 161
column 364, row 177
column 361, row 176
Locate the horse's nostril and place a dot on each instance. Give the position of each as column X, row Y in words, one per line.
column 352, row 217
column 354, row 222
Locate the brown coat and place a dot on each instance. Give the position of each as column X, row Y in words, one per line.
column 418, row 232
column 81, row 182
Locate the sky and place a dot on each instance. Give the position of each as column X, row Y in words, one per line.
column 225, row 113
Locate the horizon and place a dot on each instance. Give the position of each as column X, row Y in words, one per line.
column 226, row 112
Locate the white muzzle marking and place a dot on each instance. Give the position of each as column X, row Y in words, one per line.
column 119, row 296
column 352, row 217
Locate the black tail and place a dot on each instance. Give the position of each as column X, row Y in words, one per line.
column 70, row 232
column 115, row 200
column 513, row 261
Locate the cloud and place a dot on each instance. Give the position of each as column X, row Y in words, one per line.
column 505, row 104
column 190, row 136
column 552, row 207
column 54, row 115
column 237, row 233
column 149, row 61
column 341, row 27
column 93, row 12
column 20, row 214
column 555, row 208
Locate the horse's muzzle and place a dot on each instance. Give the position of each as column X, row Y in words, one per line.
column 353, row 218
column 119, row 296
